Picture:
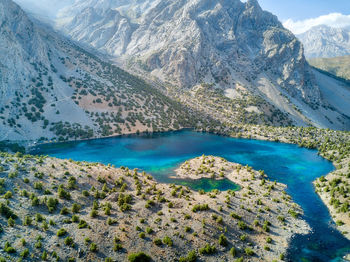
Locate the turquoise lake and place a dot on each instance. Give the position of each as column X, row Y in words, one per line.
column 160, row 154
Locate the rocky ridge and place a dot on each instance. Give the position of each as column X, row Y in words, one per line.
column 51, row 88
column 223, row 44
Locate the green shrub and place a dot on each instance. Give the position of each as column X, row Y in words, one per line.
column 233, row 252
column 139, row 257
column 93, row 247
column 249, row 251
column 35, row 201
column 191, row 257
column 44, row 256
column 8, row 195
column 117, row 247
column 6, row 211
column 198, row 207
column 242, row 225
column 11, row 222
column 61, row 232
column 93, row 213
column 82, row 224
column 188, row 229
column 39, row 217
column 76, row 208
column 157, row 242
column 25, row 253
column 75, row 219
column 51, row 204
column 27, row 221
column 339, row 223
column 38, row 244
column 168, row 241
column 8, row 248
column 64, row 211
column 63, row 193
column 38, row 185
column 68, row 241
column 223, row 240
column 207, row 250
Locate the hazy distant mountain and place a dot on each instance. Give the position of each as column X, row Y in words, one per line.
column 338, row 66
column 325, row 41
column 51, row 88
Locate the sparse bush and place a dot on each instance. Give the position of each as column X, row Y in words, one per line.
column 27, row 221
column 93, row 247
column 249, row 251
column 158, row 241
column 61, row 232
column 82, row 224
column 9, row 249
column 76, row 208
column 8, row 195
column 25, row 253
column 223, row 240
column 198, row 207
column 68, row 241
column 191, row 257
column 207, row 250
column 139, row 257
column 167, row 241
column 117, row 247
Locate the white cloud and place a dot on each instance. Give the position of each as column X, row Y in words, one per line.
column 47, row 8
column 333, row 20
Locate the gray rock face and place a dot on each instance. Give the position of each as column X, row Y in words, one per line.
column 189, row 42
column 325, row 41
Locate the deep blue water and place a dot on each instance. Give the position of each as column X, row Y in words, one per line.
column 160, row 154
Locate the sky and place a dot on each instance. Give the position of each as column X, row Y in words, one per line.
column 296, row 15
column 301, row 15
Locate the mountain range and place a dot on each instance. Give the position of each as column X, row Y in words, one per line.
column 325, row 42
column 231, row 61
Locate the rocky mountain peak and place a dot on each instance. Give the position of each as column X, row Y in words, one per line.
column 326, row 41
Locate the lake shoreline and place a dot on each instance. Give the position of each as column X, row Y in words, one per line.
column 279, row 135
column 250, row 180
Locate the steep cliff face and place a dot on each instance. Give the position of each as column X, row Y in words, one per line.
column 51, row 88
column 325, row 41
column 189, row 42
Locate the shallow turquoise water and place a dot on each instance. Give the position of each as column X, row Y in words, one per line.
column 160, row 154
